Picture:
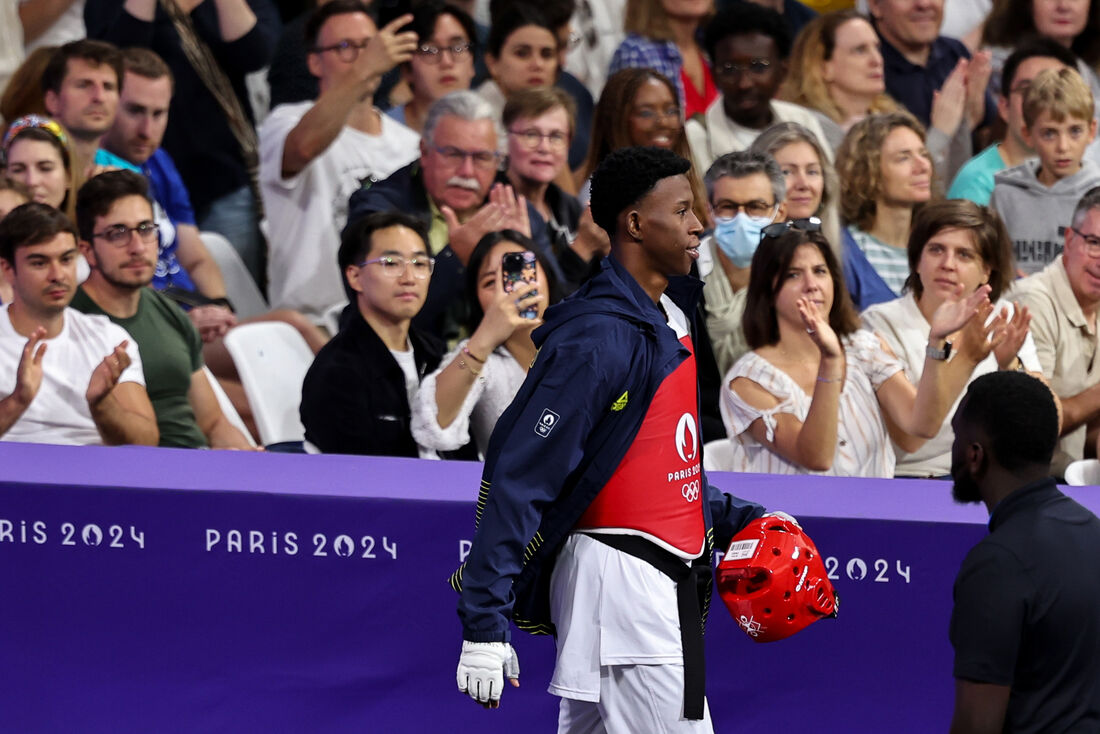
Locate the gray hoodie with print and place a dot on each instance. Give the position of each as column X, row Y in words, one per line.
column 1035, row 213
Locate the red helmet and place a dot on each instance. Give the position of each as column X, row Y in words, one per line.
column 773, row 581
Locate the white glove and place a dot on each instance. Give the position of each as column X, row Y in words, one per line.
column 482, row 668
column 782, row 516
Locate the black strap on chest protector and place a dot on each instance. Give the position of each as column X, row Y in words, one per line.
column 688, row 584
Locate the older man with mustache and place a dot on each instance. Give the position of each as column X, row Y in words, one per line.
column 451, row 187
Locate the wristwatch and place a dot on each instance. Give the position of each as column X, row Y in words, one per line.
column 938, row 354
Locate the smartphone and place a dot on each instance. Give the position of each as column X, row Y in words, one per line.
column 516, row 268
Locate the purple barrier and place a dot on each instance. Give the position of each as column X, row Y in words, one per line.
column 162, row 590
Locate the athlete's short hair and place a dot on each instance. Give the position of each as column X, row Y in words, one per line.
column 625, row 176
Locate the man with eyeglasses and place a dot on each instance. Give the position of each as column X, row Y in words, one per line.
column 66, row 378
column 119, row 240
column 975, row 179
column 746, row 192
column 356, row 394
column 313, row 155
column 749, row 46
column 1064, row 299
column 443, row 61
column 452, row 189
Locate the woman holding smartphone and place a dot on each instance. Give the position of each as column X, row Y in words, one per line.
column 481, row 375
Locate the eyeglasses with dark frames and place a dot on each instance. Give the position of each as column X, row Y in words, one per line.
column 347, row 50
column 119, row 234
column 455, row 156
column 1092, row 242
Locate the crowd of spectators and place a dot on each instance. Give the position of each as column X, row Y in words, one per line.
column 379, row 168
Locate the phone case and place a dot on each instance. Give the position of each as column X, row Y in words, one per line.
column 519, row 267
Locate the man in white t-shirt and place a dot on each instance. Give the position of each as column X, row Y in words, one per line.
column 314, row 155
column 60, row 387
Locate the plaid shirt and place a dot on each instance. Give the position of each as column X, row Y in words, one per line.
column 661, row 56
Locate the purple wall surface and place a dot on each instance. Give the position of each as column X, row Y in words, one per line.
column 175, row 591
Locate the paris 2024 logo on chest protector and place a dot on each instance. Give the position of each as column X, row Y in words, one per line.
column 687, row 447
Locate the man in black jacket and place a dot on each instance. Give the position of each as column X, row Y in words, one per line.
column 356, row 395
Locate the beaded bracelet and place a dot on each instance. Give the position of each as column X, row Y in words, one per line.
column 826, row 379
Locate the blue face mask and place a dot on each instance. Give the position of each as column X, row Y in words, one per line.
column 739, row 236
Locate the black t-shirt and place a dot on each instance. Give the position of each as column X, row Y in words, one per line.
column 1027, row 611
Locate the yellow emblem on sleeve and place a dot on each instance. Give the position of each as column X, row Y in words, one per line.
column 620, row 403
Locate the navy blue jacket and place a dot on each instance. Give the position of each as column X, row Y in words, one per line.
column 404, row 192
column 603, row 353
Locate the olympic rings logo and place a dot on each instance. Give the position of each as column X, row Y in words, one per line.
column 690, row 491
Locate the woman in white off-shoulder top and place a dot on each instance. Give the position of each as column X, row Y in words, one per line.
column 477, row 380
column 817, row 394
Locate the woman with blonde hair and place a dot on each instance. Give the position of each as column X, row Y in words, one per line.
column 812, row 186
column 886, row 173
column 837, row 71
column 663, row 35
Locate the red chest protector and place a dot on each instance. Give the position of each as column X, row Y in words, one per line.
column 656, row 490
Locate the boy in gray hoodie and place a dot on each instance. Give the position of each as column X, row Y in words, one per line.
column 1036, row 197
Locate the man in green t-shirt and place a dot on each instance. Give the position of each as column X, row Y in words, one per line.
column 119, row 239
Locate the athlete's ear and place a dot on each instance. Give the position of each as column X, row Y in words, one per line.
column 634, row 224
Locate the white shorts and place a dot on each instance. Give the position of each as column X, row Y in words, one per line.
column 634, row 698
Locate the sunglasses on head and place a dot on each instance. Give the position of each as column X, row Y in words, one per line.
column 807, row 224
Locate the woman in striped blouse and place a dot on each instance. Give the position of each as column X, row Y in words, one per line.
column 818, row 394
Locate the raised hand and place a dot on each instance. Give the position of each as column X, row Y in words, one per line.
column 388, row 48
column 464, row 236
column 977, row 79
column 981, row 334
column 502, row 317
column 952, row 315
column 817, row 326
column 28, row 375
column 1015, row 332
column 591, row 239
column 949, row 103
column 106, row 375
column 514, row 208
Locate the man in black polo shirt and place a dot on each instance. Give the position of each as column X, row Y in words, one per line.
column 1026, row 624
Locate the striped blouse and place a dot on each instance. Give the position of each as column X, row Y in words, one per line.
column 863, row 445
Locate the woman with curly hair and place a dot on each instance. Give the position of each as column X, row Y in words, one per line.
column 638, row 107
column 886, row 173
